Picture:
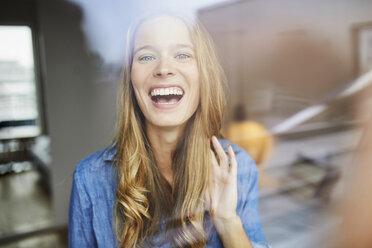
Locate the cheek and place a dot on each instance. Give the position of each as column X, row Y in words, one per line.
column 196, row 83
column 196, row 91
column 140, row 75
column 137, row 83
column 135, row 77
column 197, row 97
column 192, row 74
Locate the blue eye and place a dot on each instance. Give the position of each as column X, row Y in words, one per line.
column 146, row 58
column 182, row 56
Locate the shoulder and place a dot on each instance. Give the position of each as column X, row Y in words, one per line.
column 92, row 196
column 95, row 161
column 97, row 168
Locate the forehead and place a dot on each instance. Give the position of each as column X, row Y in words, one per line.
column 162, row 31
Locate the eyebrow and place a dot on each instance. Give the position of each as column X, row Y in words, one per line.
column 143, row 48
column 184, row 46
column 153, row 48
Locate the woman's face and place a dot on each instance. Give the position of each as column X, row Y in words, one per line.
column 164, row 72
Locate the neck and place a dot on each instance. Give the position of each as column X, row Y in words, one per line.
column 164, row 141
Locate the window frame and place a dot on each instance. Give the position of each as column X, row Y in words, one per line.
column 23, row 13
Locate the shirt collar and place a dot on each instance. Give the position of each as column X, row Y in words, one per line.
column 109, row 154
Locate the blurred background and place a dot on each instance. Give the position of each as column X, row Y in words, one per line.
column 299, row 75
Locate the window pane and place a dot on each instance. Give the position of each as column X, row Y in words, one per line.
column 18, row 99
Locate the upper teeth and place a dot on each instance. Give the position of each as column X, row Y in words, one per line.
column 166, row 91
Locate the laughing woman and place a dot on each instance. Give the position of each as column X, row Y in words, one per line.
column 167, row 181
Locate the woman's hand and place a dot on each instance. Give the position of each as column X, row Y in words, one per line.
column 223, row 198
column 223, row 194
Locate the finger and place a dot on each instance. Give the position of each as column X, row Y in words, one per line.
column 215, row 166
column 214, row 160
column 207, row 200
column 233, row 163
column 220, row 152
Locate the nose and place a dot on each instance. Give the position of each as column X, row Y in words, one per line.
column 164, row 69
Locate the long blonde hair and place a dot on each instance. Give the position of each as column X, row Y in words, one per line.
column 143, row 198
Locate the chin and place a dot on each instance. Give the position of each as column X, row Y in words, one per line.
column 167, row 120
column 168, row 123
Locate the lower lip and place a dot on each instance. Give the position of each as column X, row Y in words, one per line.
column 166, row 106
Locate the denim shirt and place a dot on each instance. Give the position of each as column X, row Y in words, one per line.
column 91, row 221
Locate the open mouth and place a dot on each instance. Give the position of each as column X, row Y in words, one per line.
column 166, row 96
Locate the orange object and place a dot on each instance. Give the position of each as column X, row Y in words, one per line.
column 252, row 137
